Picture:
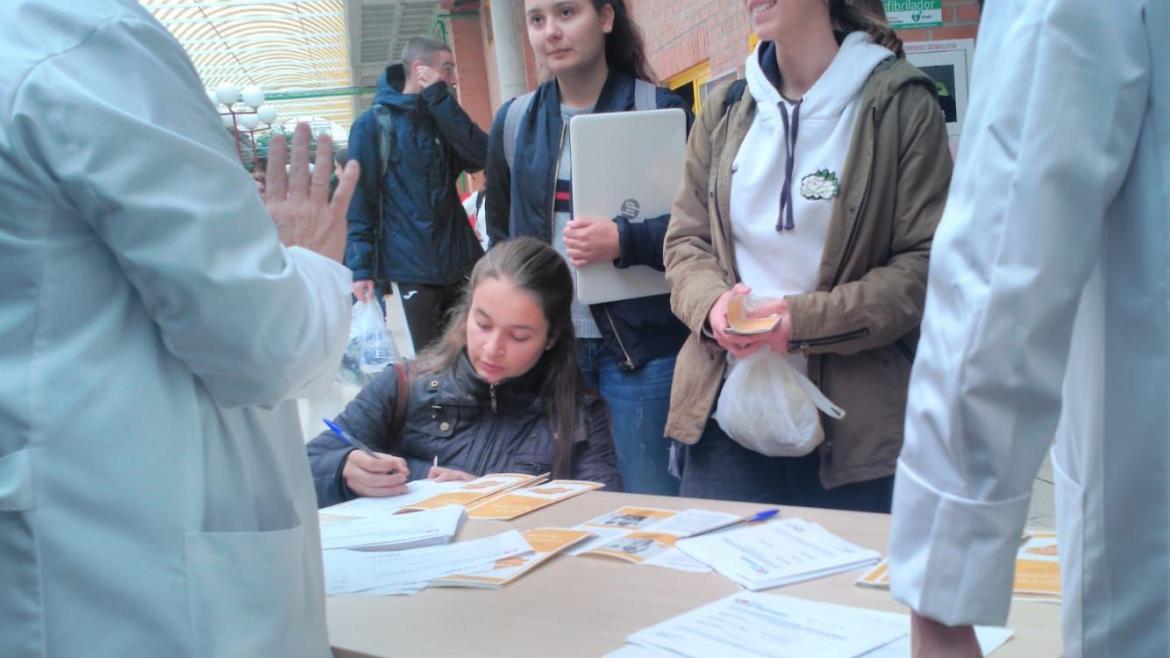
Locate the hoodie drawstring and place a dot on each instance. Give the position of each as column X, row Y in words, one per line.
column 784, row 221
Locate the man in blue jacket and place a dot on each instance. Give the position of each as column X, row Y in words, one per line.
column 406, row 223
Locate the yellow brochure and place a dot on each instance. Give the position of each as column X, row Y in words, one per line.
column 508, row 505
column 545, row 543
column 646, row 535
column 638, row 547
column 469, row 492
column 1037, row 569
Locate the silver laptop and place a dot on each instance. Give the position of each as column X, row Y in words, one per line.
column 625, row 163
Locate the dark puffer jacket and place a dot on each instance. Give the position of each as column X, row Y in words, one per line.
column 520, row 203
column 424, row 235
column 469, row 425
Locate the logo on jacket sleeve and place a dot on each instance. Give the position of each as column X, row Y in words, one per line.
column 821, row 184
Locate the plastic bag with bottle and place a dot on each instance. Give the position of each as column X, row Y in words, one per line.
column 371, row 345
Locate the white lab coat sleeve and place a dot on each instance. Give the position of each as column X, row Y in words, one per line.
column 1058, row 96
column 141, row 154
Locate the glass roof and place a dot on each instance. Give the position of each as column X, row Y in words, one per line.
column 295, row 50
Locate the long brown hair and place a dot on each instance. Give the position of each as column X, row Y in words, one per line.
column 530, row 265
column 867, row 16
column 625, row 49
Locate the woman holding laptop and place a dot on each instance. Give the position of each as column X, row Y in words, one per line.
column 817, row 184
column 500, row 392
column 594, row 54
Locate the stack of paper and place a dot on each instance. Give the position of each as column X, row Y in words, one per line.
column 1037, row 570
column 544, row 543
column 647, row 535
column 416, row 491
column 393, row 531
column 406, row 572
column 518, row 502
column 751, row 625
column 777, row 553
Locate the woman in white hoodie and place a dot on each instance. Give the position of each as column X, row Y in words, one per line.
column 817, row 187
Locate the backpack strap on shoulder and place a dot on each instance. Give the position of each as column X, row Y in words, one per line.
column 645, row 95
column 405, row 375
column 516, row 111
column 734, row 94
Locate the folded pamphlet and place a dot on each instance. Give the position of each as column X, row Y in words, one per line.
column 544, row 543
column 647, row 535
column 515, row 503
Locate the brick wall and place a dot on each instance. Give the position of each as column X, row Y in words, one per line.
column 960, row 21
column 467, row 42
column 682, row 33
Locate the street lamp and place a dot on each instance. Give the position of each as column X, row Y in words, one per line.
column 244, row 108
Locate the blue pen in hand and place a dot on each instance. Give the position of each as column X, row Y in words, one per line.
column 344, row 436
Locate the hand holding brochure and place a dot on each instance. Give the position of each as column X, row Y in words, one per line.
column 777, row 553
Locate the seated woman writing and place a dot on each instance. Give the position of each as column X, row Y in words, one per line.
column 501, row 392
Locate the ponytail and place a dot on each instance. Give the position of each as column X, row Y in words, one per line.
column 865, row 16
column 625, row 50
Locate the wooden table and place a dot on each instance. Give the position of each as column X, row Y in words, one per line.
column 586, row 606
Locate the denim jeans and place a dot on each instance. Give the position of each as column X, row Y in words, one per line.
column 718, row 467
column 638, row 400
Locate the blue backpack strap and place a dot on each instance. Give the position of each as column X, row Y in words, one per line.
column 516, row 111
column 645, row 96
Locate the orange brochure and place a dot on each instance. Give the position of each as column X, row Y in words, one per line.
column 638, row 547
column 470, row 492
column 1037, row 569
column 545, row 543
column 508, row 505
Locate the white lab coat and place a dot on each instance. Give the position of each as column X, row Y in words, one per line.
column 1059, row 209
column 155, row 496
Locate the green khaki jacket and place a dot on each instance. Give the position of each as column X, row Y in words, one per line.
column 859, row 329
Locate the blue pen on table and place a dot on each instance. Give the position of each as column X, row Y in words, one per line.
column 762, row 515
column 345, row 436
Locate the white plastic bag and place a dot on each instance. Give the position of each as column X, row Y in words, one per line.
column 770, row 407
column 371, row 347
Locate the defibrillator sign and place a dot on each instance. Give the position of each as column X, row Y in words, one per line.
column 908, row 14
